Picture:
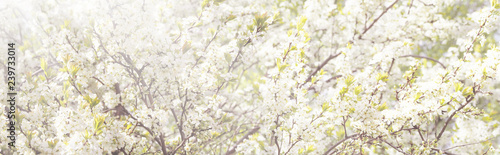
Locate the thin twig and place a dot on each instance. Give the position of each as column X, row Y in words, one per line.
column 320, row 66
column 424, row 57
column 411, row 4
column 338, row 143
column 467, row 144
column 397, row 149
column 69, row 42
column 292, row 146
column 376, row 19
column 233, row 148
column 451, row 116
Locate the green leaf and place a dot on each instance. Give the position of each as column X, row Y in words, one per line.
column 487, row 119
column 494, row 4
column 95, row 101
column 74, row 70
column 87, row 135
column 65, row 25
column 260, row 21
column 256, row 87
column 250, row 27
column 325, row 106
column 382, row 107
column 301, row 150
column 322, row 72
column 87, row 41
column 205, row 3
column 217, row 2
column 230, row 17
column 357, row 90
column 43, row 64
column 302, row 55
column 418, row 95
column 349, row 80
column 129, row 125
column 228, row 57
column 282, row 67
column 186, row 46
column 52, row 143
column 458, row 86
column 99, row 124
column 289, row 32
column 352, row 110
column 309, row 109
column 310, row 149
column 343, row 90
column 329, row 131
column 467, row 91
column 29, row 135
column 306, row 35
column 92, row 101
column 301, row 22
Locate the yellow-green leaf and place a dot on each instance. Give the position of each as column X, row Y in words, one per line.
column 43, row 64
column 458, row 86
column 382, row 76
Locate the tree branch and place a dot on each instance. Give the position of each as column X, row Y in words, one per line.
column 292, row 146
column 397, row 149
column 233, row 149
column 338, row 143
column 467, row 144
column 469, row 99
column 376, row 19
column 424, row 57
column 320, row 66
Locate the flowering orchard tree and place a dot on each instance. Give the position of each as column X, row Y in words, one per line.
column 252, row 77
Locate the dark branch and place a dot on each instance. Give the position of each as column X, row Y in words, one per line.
column 469, row 99
column 233, row 148
column 376, row 19
column 338, row 143
column 320, row 66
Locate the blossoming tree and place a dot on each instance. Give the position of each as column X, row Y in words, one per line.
column 254, row 77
